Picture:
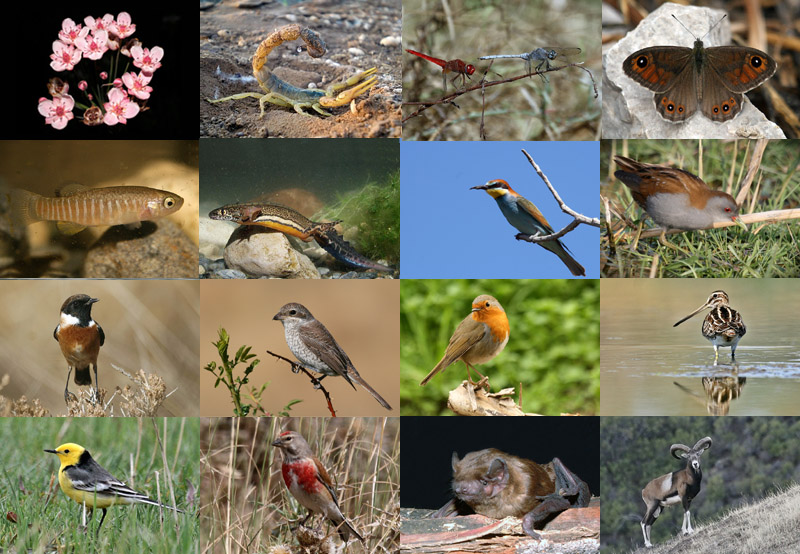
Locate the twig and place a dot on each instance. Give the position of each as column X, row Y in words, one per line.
column 296, row 367
column 578, row 218
column 484, row 84
column 771, row 216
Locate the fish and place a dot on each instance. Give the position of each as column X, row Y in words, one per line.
column 76, row 206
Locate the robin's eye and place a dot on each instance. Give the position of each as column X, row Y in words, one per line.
column 487, row 304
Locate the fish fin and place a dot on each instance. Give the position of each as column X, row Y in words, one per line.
column 133, row 226
column 70, row 189
column 68, row 228
column 23, row 208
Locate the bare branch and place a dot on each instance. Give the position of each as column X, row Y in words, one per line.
column 482, row 84
column 578, row 218
column 296, row 367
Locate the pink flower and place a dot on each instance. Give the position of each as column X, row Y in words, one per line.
column 64, row 57
column 137, row 85
column 94, row 46
column 58, row 111
column 69, row 32
column 99, row 24
column 103, row 75
column 147, row 60
column 123, row 27
column 119, row 109
column 82, row 85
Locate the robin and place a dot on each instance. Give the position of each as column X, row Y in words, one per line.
column 80, row 338
column 315, row 347
column 310, row 484
column 526, row 217
column 481, row 336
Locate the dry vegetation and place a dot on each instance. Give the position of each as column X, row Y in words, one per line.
column 766, row 525
column 141, row 399
column 246, row 507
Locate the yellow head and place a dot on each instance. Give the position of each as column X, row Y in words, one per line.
column 69, row 453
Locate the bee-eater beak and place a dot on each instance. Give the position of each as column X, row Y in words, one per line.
column 479, row 187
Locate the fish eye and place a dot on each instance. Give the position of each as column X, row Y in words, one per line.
column 169, row 202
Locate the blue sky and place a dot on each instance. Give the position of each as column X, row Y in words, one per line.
column 448, row 231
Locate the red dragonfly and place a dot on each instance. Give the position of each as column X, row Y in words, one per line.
column 458, row 67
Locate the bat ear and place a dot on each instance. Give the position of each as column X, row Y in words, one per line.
column 455, row 460
column 497, row 471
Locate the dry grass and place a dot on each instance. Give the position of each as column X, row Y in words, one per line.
column 246, row 507
column 768, row 525
column 142, row 399
column 152, row 325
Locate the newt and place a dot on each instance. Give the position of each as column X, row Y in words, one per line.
column 293, row 223
column 283, row 94
column 76, row 206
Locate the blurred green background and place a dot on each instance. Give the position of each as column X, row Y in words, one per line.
column 552, row 350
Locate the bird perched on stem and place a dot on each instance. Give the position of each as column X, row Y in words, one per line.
column 315, row 347
column 309, row 482
column 80, row 339
column 89, row 484
column 481, row 336
column 526, row 217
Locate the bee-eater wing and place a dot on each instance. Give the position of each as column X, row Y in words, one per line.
column 531, row 208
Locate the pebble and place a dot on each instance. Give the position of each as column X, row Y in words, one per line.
column 228, row 274
column 355, row 51
column 223, row 33
column 391, row 41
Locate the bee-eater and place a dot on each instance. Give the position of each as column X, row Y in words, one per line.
column 526, row 217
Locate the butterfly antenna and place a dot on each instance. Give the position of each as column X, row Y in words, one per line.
column 714, row 25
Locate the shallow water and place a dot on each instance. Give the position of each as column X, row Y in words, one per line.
column 649, row 367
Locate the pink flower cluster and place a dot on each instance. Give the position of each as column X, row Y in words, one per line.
column 92, row 41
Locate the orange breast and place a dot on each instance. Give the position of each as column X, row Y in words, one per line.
column 79, row 345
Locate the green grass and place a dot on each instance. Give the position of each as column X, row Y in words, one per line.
column 765, row 250
column 552, row 349
column 47, row 520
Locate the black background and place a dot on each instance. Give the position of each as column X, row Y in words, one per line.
column 428, row 443
column 173, row 112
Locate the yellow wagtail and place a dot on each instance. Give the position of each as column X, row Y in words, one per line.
column 89, row 484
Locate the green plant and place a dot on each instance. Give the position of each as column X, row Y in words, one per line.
column 224, row 374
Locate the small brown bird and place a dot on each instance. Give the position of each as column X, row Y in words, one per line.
column 80, row 339
column 675, row 198
column 315, row 347
column 723, row 326
column 310, row 484
column 481, row 336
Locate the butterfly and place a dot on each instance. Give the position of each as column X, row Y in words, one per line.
column 713, row 79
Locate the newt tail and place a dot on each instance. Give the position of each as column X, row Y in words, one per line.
column 335, row 245
column 291, row 222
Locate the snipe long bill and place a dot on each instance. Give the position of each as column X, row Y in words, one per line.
column 723, row 325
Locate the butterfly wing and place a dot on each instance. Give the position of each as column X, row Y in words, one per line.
column 669, row 72
column 658, row 67
column 730, row 71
